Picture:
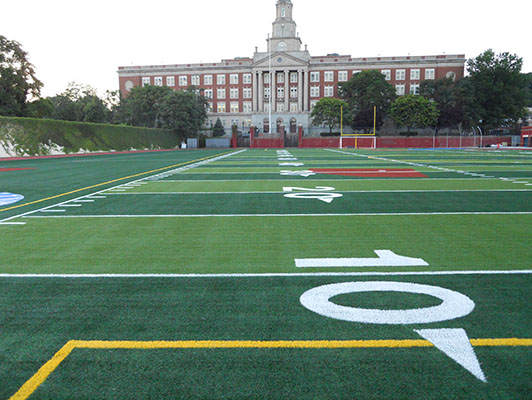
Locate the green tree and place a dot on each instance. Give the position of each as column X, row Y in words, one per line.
column 363, row 92
column 18, row 83
column 414, row 112
column 327, row 111
column 218, row 129
column 499, row 88
column 184, row 112
column 41, row 108
column 141, row 106
column 450, row 98
column 80, row 103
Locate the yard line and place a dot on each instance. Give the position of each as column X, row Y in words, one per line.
column 94, row 195
column 273, row 274
column 286, row 215
column 335, row 191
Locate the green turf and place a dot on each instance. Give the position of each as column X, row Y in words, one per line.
column 39, row 315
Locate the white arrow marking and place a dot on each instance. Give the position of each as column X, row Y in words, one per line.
column 325, row 197
column 455, row 344
column 386, row 258
column 291, row 164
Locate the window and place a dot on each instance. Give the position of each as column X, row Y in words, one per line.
column 183, row 80
column 145, row 81
column 280, row 107
column 210, row 106
column 266, row 78
column 342, row 76
column 170, row 81
column 158, row 81
column 267, row 93
column 400, row 75
column 220, row 79
column 414, row 88
column 280, row 92
column 328, row 76
column 293, row 92
column 266, row 109
column 246, row 79
column 400, row 89
column 233, row 93
column 293, row 77
column 314, row 91
column 280, row 77
column 387, row 74
column 356, row 71
column 329, row 91
column 246, row 93
column 195, row 80
column 314, row 76
column 313, row 104
column 414, row 74
column 233, row 79
column 207, row 93
column 293, row 107
column 429, row 73
column 220, row 93
column 247, row 107
column 221, row 107
column 207, row 80
column 235, row 107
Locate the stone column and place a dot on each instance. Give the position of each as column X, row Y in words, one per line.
column 286, row 90
column 273, row 91
column 261, row 92
column 305, row 90
column 300, row 91
column 255, row 91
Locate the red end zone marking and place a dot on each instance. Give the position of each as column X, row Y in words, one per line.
column 372, row 172
column 13, row 169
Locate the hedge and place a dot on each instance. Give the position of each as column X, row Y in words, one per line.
column 31, row 136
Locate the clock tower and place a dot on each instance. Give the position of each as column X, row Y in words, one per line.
column 284, row 36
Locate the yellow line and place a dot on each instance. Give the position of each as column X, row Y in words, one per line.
column 36, row 380
column 40, row 376
column 111, row 181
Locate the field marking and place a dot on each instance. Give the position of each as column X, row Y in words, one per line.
column 111, row 181
column 184, row 165
column 268, row 274
column 30, row 386
column 336, row 191
column 281, row 215
column 385, row 258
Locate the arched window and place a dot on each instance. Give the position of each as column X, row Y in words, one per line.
column 279, row 123
column 266, row 125
column 293, row 125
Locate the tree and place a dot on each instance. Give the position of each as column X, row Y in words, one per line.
column 328, row 111
column 499, row 88
column 184, row 112
column 218, row 129
column 18, row 83
column 141, row 107
column 414, row 112
column 450, row 98
column 41, row 108
column 80, row 103
column 363, row 92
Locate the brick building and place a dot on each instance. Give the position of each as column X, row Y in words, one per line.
column 282, row 84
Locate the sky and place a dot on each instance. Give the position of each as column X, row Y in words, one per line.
column 85, row 42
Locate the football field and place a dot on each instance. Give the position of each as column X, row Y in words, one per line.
column 267, row 274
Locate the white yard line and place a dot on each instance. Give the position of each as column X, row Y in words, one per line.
column 272, row 275
column 336, row 191
column 282, row 215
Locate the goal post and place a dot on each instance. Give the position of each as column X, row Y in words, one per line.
column 358, row 141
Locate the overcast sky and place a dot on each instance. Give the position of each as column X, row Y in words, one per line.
column 85, row 42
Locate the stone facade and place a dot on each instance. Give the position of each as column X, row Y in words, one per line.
column 283, row 83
